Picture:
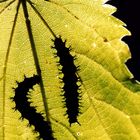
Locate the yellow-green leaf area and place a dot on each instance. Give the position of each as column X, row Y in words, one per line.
column 110, row 100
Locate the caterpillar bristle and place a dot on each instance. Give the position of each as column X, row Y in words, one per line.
column 23, row 105
column 17, row 82
column 21, row 118
column 70, row 78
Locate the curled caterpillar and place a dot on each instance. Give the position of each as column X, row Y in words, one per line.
column 70, row 79
column 28, row 112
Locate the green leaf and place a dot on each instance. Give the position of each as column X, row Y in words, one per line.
column 110, row 100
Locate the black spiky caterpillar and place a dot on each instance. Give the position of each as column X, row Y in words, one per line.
column 28, row 112
column 70, row 79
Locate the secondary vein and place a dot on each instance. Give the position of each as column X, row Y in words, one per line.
column 36, row 59
column 5, row 65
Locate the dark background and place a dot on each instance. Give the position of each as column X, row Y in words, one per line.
column 129, row 12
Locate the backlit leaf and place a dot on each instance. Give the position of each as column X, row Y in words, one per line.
column 83, row 91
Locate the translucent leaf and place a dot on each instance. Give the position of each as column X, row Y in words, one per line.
column 104, row 100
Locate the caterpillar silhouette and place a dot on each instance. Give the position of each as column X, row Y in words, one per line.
column 23, row 106
column 70, row 79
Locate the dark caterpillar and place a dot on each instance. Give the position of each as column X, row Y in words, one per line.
column 70, row 79
column 23, row 106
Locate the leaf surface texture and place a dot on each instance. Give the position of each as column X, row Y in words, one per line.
column 109, row 98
